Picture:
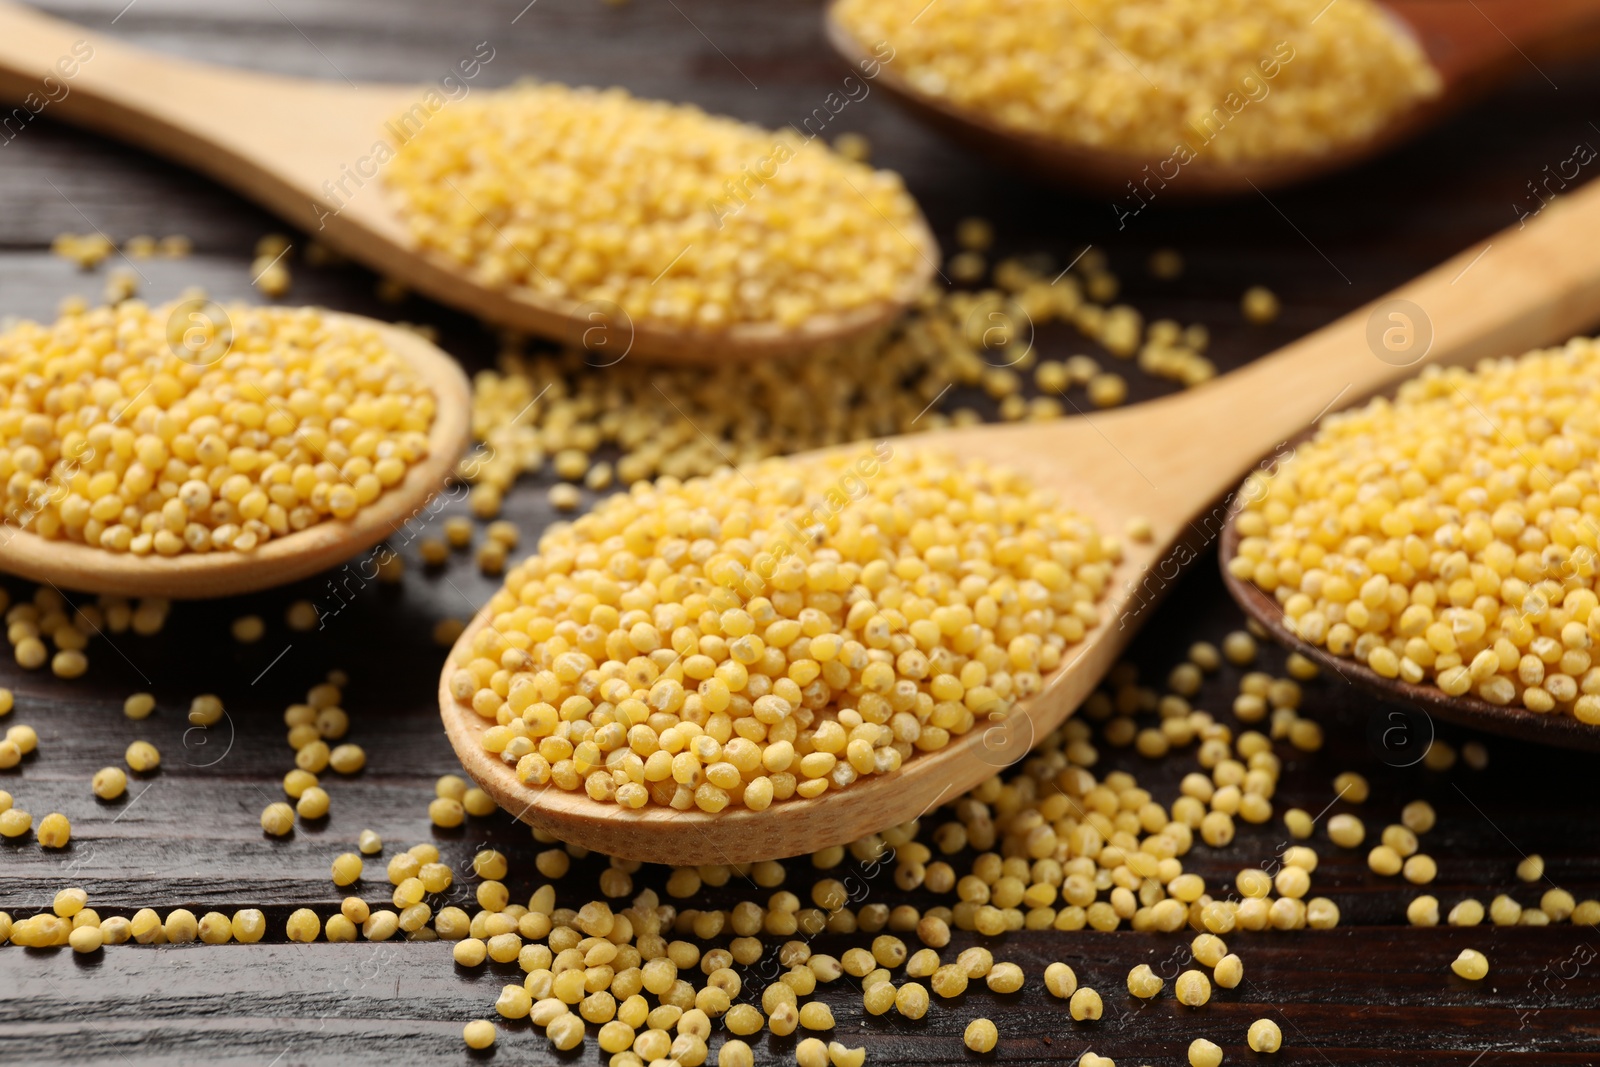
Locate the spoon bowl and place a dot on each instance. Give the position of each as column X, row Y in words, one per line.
column 313, row 152
column 658, row 834
column 1553, row 729
column 1473, row 50
column 190, row 575
column 1164, row 462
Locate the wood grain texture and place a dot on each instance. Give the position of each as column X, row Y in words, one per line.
column 1374, row 992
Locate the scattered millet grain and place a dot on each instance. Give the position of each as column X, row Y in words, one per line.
column 142, row 756
column 1346, row 831
column 86, row 250
column 14, row 822
column 301, row 616
column 911, row 1000
column 1229, row 972
column 1203, row 1053
column 1420, row 869
column 1193, row 989
column 25, row 738
column 811, row 1052
column 248, row 629
column 214, row 928
column 1143, row 982
column 205, row 710
column 478, row 1034
column 1259, row 305
column 1352, row 787
column 1264, row 1036
column 1418, row 816
column 277, row 818
column 1085, row 1005
column 981, row 1035
column 1004, row 978
column 1471, row 965
column 85, row 939
column 109, row 783
column 1165, row 264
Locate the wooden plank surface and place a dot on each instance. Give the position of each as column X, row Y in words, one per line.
column 187, row 835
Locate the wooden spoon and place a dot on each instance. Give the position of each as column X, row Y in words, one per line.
column 1519, row 722
column 72, row 565
column 286, row 142
column 1164, row 461
column 1474, row 45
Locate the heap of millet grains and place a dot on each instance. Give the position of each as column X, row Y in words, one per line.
column 679, row 218
column 779, row 629
column 122, row 429
column 555, row 407
column 1226, row 80
column 1449, row 536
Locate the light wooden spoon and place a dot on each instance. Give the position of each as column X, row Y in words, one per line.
column 1474, row 46
column 72, row 565
column 1166, row 461
column 285, row 142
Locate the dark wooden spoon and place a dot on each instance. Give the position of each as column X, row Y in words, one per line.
column 1474, row 45
column 1554, row 728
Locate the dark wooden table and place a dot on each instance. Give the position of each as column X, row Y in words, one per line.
column 1373, row 991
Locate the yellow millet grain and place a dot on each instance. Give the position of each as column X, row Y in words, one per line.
column 1229, row 972
column 1471, row 965
column 981, row 1035
column 1085, row 1005
column 478, row 1034
column 1193, row 989
column 676, row 217
column 109, row 783
column 1143, row 982
column 1458, row 558
column 1264, row 1036
column 1222, row 79
column 277, row 819
column 1259, row 305
column 141, row 451
column 779, row 630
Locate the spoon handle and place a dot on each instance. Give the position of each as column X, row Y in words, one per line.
column 276, row 139
column 1535, row 283
column 1476, row 42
